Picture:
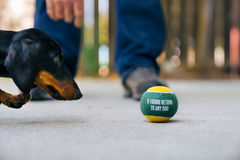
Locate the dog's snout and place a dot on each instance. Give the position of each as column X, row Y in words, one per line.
column 71, row 93
column 78, row 94
column 64, row 89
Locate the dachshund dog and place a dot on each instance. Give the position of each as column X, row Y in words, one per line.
column 32, row 58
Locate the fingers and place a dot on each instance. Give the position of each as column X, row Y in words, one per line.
column 50, row 9
column 58, row 8
column 68, row 10
column 54, row 9
column 78, row 10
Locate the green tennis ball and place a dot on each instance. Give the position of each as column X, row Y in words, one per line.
column 159, row 104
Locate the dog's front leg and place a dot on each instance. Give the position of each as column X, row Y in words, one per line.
column 14, row 101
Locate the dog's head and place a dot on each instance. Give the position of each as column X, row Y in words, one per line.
column 34, row 58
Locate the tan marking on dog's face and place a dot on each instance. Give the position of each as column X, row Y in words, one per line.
column 65, row 88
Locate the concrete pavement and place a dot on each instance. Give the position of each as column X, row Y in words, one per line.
column 104, row 125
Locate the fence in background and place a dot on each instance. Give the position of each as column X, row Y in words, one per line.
column 203, row 36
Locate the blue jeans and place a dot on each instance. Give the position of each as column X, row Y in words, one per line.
column 67, row 36
column 140, row 35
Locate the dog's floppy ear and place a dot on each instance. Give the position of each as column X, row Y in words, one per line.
column 22, row 63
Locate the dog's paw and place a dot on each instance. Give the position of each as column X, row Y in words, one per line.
column 16, row 101
column 9, row 103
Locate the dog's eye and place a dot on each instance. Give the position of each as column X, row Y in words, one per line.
column 56, row 60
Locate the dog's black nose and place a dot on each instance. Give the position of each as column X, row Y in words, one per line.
column 78, row 94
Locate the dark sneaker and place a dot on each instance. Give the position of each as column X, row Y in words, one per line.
column 39, row 94
column 140, row 80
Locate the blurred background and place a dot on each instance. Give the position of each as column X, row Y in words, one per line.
column 203, row 37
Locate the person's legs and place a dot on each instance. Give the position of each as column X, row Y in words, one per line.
column 140, row 36
column 66, row 34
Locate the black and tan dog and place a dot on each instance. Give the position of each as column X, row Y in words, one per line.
column 32, row 58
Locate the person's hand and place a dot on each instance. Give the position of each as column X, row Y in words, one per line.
column 69, row 10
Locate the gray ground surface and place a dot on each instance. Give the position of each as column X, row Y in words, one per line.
column 104, row 125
